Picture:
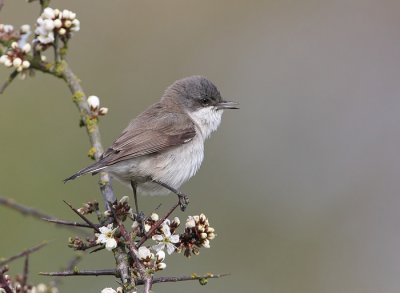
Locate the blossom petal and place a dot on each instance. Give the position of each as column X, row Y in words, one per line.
column 158, row 246
column 170, row 248
column 157, row 238
column 174, row 239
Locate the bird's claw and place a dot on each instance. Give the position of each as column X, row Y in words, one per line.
column 183, row 201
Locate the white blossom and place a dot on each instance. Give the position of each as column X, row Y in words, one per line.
column 144, row 252
column 53, row 21
column 106, row 236
column 166, row 240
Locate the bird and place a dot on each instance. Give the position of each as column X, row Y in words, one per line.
column 163, row 147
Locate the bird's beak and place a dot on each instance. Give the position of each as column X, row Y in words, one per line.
column 227, row 105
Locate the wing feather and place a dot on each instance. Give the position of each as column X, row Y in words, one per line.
column 153, row 131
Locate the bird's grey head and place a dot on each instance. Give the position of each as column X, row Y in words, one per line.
column 197, row 92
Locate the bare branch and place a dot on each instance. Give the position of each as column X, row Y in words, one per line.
column 26, row 271
column 23, row 253
column 1, row 4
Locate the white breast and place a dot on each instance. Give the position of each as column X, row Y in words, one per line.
column 207, row 120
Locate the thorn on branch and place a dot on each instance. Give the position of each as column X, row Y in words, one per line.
column 67, row 223
column 83, row 217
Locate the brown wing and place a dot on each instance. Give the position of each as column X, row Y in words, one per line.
column 152, row 131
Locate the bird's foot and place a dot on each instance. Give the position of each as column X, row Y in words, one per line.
column 183, row 201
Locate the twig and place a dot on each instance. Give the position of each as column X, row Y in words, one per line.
column 26, row 271
column 106, row 272
column 23, row 253
column 1, row 4
column 67, row 223
column 113, row 272
column 156, row 226
column 83, row 217
column 3, row 281
column 10, row 79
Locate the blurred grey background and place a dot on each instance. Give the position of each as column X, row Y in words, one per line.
column 302, row 183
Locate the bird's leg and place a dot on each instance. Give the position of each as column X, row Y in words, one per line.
column 134, row 186
column 139, row 215
column 183, row 198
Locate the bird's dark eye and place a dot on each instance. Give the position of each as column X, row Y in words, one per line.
column 205, row 101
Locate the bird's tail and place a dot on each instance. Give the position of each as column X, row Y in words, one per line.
column 96, row 167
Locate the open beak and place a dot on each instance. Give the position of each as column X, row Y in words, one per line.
column 227, row 105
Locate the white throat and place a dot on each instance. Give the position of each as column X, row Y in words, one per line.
column 207, row 120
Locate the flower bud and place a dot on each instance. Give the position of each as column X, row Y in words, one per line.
column 103, row 111
column 135, row 224
column 26, row 28
column 14, row 45
column 161, row 266
column 17, row 62
column 176, row 221
column 160, row 255
column 48, row 24
column 203, row 235
column 48, row 13
column 8, row 63
column 206, row 243
column 67, row 23
column 94, row 102
column 57, row 23
column 211, row 236
column 26, row 64
column 154, row 217
column 62, row 31
column 124, row 199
